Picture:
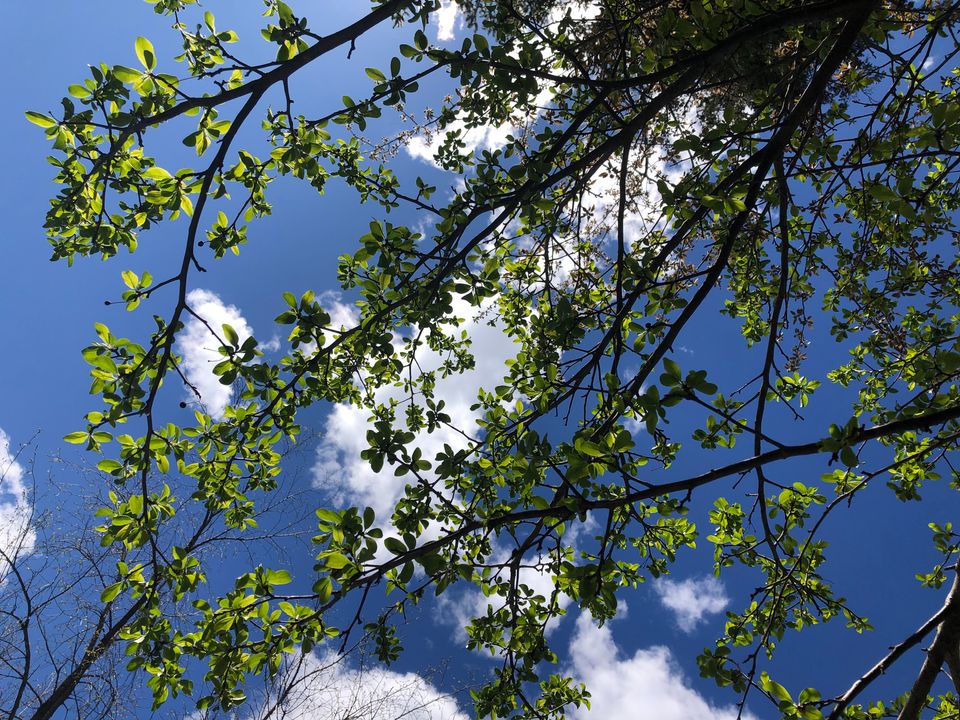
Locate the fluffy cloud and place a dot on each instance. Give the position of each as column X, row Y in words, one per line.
column 271, row 345
column 645, row 686
column 491, row 137
column 348, row 479
column 692, row 599
column 485, row 137
column 16, row 536
column 341, row 314
column 326, row 688
column 446, row 18
column 458, row 609
column 602, row 196
column 200, row 349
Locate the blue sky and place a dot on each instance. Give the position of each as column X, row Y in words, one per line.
column 47, row 313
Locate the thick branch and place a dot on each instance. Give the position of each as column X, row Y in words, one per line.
column 259, row 86
column 896, row 652
column 686, row 485
column 944, row 644
column 65, row 689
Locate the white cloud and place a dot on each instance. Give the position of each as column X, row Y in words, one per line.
column 17, row 538
column 602, row 197
column 327, row 688
column 447, row 17
column 486, row 137
column 341, row 314
column 645, row 686
column 271, row 345
column 648, row 685
column 692, row 599
column 200, row 349
column 340, row 471
column 458, row 610
column 492, row 137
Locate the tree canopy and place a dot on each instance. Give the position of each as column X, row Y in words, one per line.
column 791, row 165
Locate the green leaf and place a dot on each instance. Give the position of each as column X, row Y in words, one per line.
column 41, row 120
column 156, row 173
column 329, row 516
column 323, row 589
column 336, row 561
column 278, row 577
column 672, row 369
column 734, row 205
column 145, row 53
column 882, row 192
column 777, row 691
column 79, row 91
column 232, row 337
column 108, row 466
column 588, row 447
column 394, row 545
column 375, row 75
column 110, row 592
column 432, row 564
column 76, row 437
column 848, row 457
